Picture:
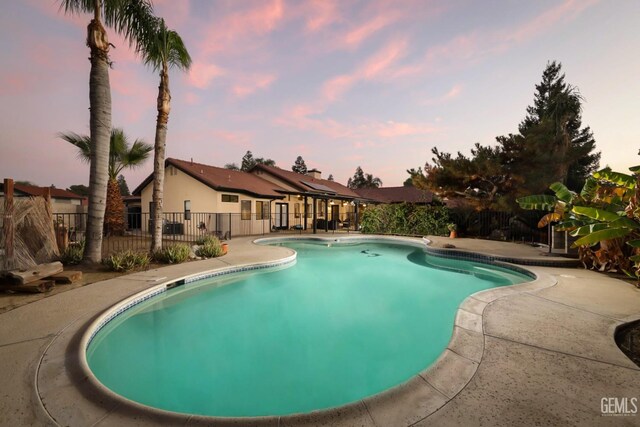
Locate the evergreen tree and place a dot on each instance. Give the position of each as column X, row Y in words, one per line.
column 80, row 190
column 413, row 172
column 122, row 184
column 232, row 166
column 330, row 177
column 362, row 180
column 299, row 166
column 248, row 162
column 266, row 162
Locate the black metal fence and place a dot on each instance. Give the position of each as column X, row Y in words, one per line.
column 181, row 227
column 496, row 225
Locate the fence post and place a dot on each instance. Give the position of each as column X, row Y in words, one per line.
column 8, row 227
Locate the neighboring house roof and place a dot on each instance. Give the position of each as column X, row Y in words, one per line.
column 221, row 179
column 407, row 194
column 308, row 185
column 32, row 190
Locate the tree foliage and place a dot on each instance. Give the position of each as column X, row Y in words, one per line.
column 249, row 162
column 604, row 216
column 551, row 145
column 406, row 219
column 362, row 180
column 122, row 184
column 79, row 189
column 330, row 177
column 299, row 166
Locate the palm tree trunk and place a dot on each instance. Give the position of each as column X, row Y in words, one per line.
column 100, row 128
column 164, row 107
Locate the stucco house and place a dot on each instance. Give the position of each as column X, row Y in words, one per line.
column 211, row 199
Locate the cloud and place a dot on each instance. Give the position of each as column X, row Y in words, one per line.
column 321, row 14
column 355, row 36
column 201, row 74
column 453, row 93
column 234, row 29
column 373, row 68
column 249, row 85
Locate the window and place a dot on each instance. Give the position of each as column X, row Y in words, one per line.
column 229, row 198
column 296, row 210
column 321, row 208
column 309, row 211
column 262, row 210
column 245, row 209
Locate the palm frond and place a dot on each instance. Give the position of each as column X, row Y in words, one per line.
column 82, row 142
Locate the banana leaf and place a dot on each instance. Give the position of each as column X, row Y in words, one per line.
column 540, row 202
column 635, row 258
column 588, row 229
column 569, row 224
column 549, row 218
column 597, row 214
column 623, row 221
column 621, row 179
column 598, row 236
column 562, row 192
column 589, row 188
column 634, row 243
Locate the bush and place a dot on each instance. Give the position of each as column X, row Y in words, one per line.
column 126, row 261
column 174, row 254
column 210, row 248
column 207, row 240
column 406, row 219
column 73, row 254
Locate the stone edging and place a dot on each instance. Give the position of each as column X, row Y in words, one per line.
column 404, row 404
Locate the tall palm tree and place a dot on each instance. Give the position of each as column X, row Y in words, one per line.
column 371, row 182
column 121, row 155
column 162, row 49
column 120, row 14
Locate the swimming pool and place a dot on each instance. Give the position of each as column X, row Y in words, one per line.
column 347, row 321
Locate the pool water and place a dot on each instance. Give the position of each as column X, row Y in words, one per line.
column 345, row 322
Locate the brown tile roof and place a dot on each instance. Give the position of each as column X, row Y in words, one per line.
column 396, row 194
column 222, row 179
column 307, row 184
column 32, row 190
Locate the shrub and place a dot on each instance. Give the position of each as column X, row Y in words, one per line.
column 73, row 254
column 211, row 248
column 126, row 261
column 406, row 219
column 174, row 254
column 207, row 239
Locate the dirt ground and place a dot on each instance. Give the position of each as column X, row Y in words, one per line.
column 90, row 274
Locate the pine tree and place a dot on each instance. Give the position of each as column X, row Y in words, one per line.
column 122, row 184
column 299, row 166
column 248, row 162
column 362, row 180
column 232, row 166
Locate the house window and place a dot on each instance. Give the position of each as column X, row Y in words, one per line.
column 245, row 209
column 229, row 198
column 296, row 210
column 309, row 211
column 262, row 210
column 321, row 208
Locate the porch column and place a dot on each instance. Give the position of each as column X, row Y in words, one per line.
column 305, row 212
column 326, row 215
column 356, row 217
column 315, row 217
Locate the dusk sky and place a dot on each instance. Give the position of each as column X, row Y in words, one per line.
column 374, row 84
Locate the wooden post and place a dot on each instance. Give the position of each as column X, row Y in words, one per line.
column 8, row 226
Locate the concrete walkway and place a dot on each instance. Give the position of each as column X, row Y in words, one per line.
column 547, row 356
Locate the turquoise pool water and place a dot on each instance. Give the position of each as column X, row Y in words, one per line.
column 343, row 323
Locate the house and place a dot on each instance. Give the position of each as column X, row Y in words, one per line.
column 62, row 201
column 211, row 199
column 315, row 202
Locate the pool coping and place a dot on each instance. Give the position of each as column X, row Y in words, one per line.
column 427, row 392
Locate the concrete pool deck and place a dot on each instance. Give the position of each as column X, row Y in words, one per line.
column 521, row 355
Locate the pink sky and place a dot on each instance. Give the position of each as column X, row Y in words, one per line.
column 374, row 84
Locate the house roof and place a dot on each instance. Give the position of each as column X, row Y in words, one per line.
column 407, row 194
column 221, row 179
column 33, row 190
column 308, row 184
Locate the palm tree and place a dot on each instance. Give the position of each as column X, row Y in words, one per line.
column 371, row 182
column 162, row 49
column 120, row 14
column 121, row 155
